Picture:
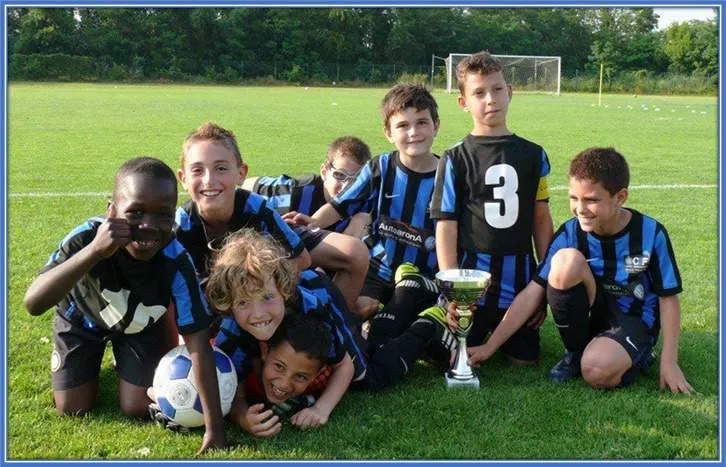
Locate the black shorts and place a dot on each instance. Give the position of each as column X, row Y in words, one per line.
column 374, row 287
column 631, row 332
column 311, row 237
column 522, row 345
column 77, row 354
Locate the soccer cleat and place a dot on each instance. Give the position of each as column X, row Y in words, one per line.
column 567, row 368
column 444, row 336
column 405, row 269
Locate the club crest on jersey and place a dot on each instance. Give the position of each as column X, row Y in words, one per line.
column 637, row 263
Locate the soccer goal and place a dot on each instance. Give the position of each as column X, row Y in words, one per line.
column 522, row 72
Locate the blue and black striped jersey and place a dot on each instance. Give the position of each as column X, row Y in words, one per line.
column 121, row 294
column 314, row 296
column 250, row 211
column 636, row 265
column 401, row 228
column 304, row 194
column 490, row 185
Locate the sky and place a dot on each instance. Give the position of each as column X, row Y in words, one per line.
column 671, row 15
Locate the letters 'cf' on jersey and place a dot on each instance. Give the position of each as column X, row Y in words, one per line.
column 401, row 227
column 304, row 194
column 122, row 295
column 490, row 185
column 313, row 297
column 635, row 266
column 250, row 211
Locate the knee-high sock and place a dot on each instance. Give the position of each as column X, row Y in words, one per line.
column 571, row 313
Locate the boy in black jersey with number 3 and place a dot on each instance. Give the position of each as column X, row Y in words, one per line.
column 611, row 279
column 113, row 279
column 491, row 201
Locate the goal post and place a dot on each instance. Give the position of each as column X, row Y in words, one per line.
column 534, row 73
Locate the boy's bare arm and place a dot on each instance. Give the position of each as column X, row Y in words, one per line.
column 524, row 305
column 447, row 235
column 358, row 225
column 542, row 230
column 338, row 384
column 325, row 216
column 202, row 358
column 671, row 375
column 50, row 287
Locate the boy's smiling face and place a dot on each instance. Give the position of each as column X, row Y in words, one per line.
column 597, row 211
column 412, row 131
column 287, row 373
column 261, row 314
column 149, row 205
column 487, row 97
column 211, row 175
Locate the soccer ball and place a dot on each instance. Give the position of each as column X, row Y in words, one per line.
column 175, row 386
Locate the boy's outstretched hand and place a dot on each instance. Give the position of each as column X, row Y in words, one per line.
column 210, row 441
column 298, row 218
column 310, row 417
column 673, row 378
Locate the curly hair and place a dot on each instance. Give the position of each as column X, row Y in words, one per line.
column 210, row 131
column 241, row 268
column 601, row 165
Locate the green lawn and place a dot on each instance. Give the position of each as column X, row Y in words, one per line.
column 67, row 140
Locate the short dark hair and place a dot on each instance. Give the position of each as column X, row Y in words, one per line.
column 349, row 147
column 481, row 63
column 405, row 95
column 305, row 333
column 601, row 165
column 149, row 167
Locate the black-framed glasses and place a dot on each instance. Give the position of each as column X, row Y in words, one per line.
column 340, row 175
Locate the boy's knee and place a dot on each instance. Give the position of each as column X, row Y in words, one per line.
column 135, row 409
column 597, row 373
column 568, row 266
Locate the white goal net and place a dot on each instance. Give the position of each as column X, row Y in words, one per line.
column 522, row 72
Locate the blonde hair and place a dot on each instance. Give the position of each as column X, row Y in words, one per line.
column 245, row 263
column 210, row 131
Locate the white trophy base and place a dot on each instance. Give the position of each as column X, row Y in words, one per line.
column 469, row 383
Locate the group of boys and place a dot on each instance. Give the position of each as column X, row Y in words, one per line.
column 286, row 273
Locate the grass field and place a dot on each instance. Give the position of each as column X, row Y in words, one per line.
column 67, row 140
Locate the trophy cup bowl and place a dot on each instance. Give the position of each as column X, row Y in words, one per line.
column 462, row 287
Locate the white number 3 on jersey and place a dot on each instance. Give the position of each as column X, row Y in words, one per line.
column 503, row 213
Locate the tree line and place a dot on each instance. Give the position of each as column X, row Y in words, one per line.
column 343, row 44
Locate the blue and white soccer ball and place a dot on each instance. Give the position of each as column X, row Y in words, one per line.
column 175, row 386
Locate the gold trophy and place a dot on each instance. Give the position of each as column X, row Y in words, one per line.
column 462, row 287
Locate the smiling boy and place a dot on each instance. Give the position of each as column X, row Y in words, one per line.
column 611, row 279
column 112, row 279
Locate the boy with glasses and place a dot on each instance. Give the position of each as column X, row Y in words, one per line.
column 336, row 249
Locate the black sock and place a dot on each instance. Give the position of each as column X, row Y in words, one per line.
column 410, row 297
column 393, row 360
column 571, row 313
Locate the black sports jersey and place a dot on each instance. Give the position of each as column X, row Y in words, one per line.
column 313, row 297
column 401, row 228
column 123, row 295
column 490, row 185
column 304, row 194
column 636, row 265
column 250, row 211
